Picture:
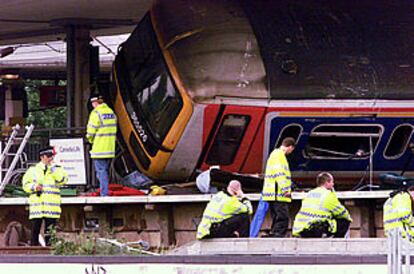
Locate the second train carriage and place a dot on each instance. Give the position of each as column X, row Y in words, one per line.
column 202, row 83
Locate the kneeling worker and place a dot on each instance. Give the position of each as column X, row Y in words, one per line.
column 398, row 213
column 226, row 215
column 321, row 212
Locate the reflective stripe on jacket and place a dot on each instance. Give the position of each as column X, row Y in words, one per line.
column 221, row 207
column 277, row 173
column 101, row 132
column 398, row 215
column 319, row 205
column 47, row 204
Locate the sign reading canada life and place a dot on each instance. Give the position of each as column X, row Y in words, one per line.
column 70, row 155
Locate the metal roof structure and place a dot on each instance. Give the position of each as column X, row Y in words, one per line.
column 50, row 56
column 34, row 21
column 34, row 31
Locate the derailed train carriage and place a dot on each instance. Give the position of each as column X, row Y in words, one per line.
column 202, row 83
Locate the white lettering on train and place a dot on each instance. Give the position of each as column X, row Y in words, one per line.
column 139, row 128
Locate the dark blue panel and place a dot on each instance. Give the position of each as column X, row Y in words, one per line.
column 298, row 162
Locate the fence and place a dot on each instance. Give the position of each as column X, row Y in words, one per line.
column 40, row 139
column 399, row 253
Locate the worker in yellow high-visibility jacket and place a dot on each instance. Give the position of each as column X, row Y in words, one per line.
column 42, row 182
column 101, row 133
column 277, row 187
column 226, row 215
column 321, row 213
column 398, row 213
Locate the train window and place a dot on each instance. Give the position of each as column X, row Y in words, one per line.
column 228, row 139
column 292, row 130
column 151, row 91
column 347, row 141
column 398, row 142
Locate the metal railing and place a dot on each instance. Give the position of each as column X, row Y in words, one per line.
column 399, row 253
column 40, row 139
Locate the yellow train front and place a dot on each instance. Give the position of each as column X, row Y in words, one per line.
column 206, row 83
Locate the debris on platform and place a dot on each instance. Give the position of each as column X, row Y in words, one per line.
column 214, row 179
column 14, row 191
column 118, row 190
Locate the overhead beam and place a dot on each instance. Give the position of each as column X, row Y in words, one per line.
column 31, row 34
column 92, row 22
column 58, row 27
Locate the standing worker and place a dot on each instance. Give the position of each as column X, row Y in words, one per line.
column 321, row 213
column 226, row 215
column 101, row 133
column 398, row 213
column 42, row 182
column 277, row 187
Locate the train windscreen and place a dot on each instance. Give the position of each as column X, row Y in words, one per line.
column 150, row 93
column 336, row 49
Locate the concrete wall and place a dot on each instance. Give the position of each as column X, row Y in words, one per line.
column 172, row 224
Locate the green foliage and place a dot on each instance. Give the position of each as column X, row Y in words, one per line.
column 82, row 245
column 88, row 244
column 43, row 118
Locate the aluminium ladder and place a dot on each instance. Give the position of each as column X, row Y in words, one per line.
column 13, row 137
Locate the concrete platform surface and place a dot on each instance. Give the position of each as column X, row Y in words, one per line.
column 285, row 246
column 192, row 198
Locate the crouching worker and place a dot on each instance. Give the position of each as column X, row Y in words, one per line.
column 398, row 213
column 42, row 182
column 321, row 213
column 226, row 215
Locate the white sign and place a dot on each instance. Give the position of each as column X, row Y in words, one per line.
column 70, row 154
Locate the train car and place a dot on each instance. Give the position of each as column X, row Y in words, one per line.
column 203, row 83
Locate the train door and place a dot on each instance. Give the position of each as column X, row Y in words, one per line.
column 233, row 138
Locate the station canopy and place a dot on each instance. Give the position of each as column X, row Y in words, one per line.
column 51, row 55
column 35, row 30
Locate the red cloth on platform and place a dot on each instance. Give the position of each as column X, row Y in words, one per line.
column 118, row 190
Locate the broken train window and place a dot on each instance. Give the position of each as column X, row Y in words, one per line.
column 343, row 141
column 291, row 130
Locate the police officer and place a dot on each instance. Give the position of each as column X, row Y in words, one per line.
column 226, row 215
column 42, row 182
column 101, row 133
column 398, row 213
column 321, row 213
column 277, row 187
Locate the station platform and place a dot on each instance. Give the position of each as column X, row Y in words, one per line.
column 260, row 255
column 285, row 247
column 196, row 198
column 171, row 220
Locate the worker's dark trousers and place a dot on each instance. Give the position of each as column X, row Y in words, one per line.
column 318, row 230
column 226, row 229
column 36, row 225
column 280, row 219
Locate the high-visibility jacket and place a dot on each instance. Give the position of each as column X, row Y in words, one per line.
column 47, row 203
column 277, row 173
column 221, row 207
column 398, row 215
column 101, row 132
column 319, row 205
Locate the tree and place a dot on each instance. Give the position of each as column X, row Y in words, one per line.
column 43, row 117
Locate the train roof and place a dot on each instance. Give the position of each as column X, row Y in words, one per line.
column 290, row 49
